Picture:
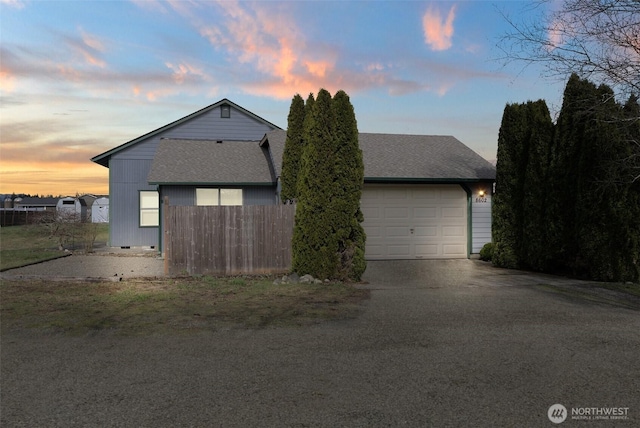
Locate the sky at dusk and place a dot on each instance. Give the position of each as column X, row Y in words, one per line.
column 78, row 78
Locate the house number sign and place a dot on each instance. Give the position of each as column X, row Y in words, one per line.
column 481, row 200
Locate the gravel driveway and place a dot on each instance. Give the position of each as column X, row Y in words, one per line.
column 440, row 343
column 107, row 266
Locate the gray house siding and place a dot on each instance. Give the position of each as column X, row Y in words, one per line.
column 210, row 126
column 480, row 217
column 126, row 178
column 129, row 168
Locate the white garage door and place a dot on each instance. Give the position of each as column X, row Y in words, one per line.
column 415, row 221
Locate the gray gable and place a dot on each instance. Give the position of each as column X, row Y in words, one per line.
column 274, row 141
column 210, row 162
column 174, row 127
column 390, row 157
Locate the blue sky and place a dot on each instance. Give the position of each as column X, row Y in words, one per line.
column 81, row 77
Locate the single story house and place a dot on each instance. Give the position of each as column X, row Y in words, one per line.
column 424, row 196
column 39, row 204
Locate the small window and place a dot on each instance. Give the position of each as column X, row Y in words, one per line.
column 225, row 111
column 215, row 197
column 149, row 208
column 230, row 196
column 207, row 197
column 67, row 202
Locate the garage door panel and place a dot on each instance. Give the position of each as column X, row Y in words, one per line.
column 428, row 194
column 453, row 231
column 421, row 212
column 397, row 231
column 370, row 212
column 398, row 250
column 373, row 232
column 456, row 212
column 426, row 231
column 454, row 250
column 445, row 194
column 395, row 194
column 426, row 251
column 415, row 221
column 393, row 213
column 375, row 251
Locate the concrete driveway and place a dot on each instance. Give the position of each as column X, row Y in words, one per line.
column 440, row 343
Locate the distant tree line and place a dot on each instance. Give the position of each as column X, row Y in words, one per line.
column 323, row 173
column 568, row 194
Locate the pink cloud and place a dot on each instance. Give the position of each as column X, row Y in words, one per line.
column 17, row 4
column 555, row 35
column 438, row 31
column 183, row 71
column 7, row 80
column 267, row 38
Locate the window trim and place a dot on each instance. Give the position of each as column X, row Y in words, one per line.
column 225, row 111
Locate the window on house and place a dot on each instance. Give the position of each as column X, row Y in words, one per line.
column 207, row 197
column 215, row 197
column 225, row 111
column 230, row 196
column 149, row 208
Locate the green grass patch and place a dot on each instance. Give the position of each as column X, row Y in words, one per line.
column 141, row 307
column 22, row 245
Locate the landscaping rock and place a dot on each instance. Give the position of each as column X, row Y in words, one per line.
column 306, row 279
column 294, row 278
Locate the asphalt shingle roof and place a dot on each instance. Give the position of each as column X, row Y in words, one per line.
column 207, row 161
column 421, row 156
column 413, row 157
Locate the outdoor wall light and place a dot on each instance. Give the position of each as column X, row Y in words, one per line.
column 481, row 193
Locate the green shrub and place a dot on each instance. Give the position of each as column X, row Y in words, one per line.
column 486, row 253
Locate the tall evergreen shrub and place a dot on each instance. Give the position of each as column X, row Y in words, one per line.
column 507, row 201
column 328, row 239
column 347, row 190
column 292, row 150
column 315, row 246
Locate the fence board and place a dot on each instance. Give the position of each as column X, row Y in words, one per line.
column 251, row 239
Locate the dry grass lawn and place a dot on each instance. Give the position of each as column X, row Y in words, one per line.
column 135, row 307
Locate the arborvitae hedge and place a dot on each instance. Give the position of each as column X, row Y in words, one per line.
column 292, row 150
column 328, row 240
column 347, row 190
column 315, row 247
column 566, row 195
column 534, row 251
column 507, row 202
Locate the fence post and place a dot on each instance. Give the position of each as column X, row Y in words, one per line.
column 166, row 234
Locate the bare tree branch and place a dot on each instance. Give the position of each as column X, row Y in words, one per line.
column 597, row 39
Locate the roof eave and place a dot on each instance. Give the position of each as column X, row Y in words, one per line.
column 425, row 180
column 210, row 183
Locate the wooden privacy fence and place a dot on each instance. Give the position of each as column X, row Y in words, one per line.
column 229, row 240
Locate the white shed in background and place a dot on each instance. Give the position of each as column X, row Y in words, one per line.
column 69, row 209
column 100, row 211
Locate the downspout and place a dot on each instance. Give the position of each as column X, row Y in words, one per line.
column 160, row 219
